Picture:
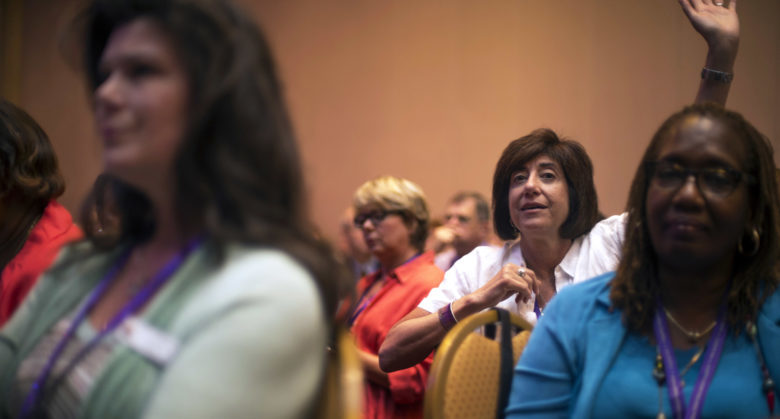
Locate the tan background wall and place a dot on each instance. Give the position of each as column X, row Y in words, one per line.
column 10, row 48
column 433, row 90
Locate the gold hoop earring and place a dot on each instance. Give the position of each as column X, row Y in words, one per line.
column 755, row 238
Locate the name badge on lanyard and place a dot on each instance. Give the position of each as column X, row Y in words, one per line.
column 154, row 344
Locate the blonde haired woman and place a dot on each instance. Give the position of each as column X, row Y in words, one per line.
column 393, row 215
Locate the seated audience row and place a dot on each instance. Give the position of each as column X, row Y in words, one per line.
column 545, row 207
column 209, row 296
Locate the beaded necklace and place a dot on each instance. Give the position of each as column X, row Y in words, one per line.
column 767, row 384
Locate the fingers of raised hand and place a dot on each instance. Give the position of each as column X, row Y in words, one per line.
column 716, row 20
column 699, row 3
column 717, row 7
column 721, row 3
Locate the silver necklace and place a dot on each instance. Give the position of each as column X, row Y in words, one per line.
column 693, row 335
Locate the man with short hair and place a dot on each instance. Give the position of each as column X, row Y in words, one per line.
column 468, row 216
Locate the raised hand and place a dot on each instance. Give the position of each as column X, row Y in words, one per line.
column 718, row 24
column 716, row 21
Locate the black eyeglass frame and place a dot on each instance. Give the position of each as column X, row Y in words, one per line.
column 737, row 176
column 376, row 217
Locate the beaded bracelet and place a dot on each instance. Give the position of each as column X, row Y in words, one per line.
column 447, row 317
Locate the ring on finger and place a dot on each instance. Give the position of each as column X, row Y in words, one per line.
column 719, row 3
column 521, row 271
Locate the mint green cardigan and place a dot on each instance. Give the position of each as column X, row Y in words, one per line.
column 251, row 336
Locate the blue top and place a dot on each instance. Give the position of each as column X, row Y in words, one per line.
column 582, row 362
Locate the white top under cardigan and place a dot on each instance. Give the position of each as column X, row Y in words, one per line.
column 590, row 255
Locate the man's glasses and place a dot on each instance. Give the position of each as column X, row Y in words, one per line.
column 376, row 217
column 462, row 219
column 715, row 182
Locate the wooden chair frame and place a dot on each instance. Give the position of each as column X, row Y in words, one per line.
column 342, row 393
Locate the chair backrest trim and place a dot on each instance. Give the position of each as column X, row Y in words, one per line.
column 445, row 354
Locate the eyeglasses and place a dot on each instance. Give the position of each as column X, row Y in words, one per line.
column 715, row 182
column 376, row 217
column 461, row 219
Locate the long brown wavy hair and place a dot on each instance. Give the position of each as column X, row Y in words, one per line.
column 238, row 170
column 635, row 288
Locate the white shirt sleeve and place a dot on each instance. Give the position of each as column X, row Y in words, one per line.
column 601, row 248
column 595, row 253
column 467, row 275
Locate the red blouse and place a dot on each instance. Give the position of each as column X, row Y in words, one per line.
column 404, row 288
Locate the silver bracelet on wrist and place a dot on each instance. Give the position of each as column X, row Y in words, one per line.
column 716, row 75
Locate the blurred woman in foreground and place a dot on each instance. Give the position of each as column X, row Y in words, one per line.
column 212, row 299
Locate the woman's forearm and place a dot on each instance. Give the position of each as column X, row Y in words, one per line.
column 410, row 340
column 414, row 337
column 372, row 371
column 720, row 59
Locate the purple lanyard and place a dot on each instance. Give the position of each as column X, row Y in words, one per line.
column 673, row 379
column 140, row 298
column 363, row 304
column 537, row 309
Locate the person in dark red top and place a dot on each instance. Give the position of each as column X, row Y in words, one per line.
column 393, row 216
column 33, row 226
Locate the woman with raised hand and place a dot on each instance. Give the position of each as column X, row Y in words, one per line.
column 213, row 297
column 545, row 207
column 689, row 325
